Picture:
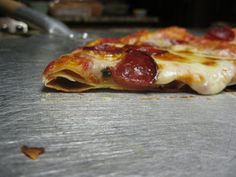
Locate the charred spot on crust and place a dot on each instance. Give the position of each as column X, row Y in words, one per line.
column 106, row 72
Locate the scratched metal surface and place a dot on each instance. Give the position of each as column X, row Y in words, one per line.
column 107, row 133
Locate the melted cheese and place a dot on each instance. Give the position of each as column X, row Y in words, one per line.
column 199, row 73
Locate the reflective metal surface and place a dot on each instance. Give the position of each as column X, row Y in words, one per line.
column 106, row 133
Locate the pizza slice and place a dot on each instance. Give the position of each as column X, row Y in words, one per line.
column 166, row 60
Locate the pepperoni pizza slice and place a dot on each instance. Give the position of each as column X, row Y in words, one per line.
column 170, row 59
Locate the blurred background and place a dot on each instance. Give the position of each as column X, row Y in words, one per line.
column 79, row 14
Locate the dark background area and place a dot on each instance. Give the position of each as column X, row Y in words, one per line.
column 186, row 13
column 190, row 13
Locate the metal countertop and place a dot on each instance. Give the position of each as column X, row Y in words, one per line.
column 105, row 133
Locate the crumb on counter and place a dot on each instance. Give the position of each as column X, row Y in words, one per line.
column 183, row 96
column 150, row 98
column 32, row 152
column 187, row 96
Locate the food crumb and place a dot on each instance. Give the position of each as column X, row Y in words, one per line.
column 150, row 98
column 32, row 152
column 48, row 94
column 172, row 97
column 184, row 96
column 107, row 98
column 189, row 96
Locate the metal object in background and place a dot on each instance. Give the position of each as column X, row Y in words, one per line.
column 106, row 133
column 13, row 26
column 52, row 26
column 116, row 8
column 75, row 8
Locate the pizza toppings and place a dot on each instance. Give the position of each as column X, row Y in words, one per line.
column 145, row 48
column 104, row 48
column 110, row 40
column 136, row 71
column 222, row 33
column 177, row 42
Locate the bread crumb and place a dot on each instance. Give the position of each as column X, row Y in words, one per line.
column 32, row 152
column 150, row 98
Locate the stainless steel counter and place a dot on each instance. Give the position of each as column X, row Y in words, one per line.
column 107, row 133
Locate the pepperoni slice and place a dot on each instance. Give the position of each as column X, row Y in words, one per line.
column 110, row 40
column 222, row 33
column 176, row 41
column 105, row 48
column 136, row 71
column 146, row 48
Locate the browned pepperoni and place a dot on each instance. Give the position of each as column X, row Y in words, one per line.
column 176, row 42
column 222, row 33
column 146, row 48
column 110, row 40
column 136, row 71
column 105, row 48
